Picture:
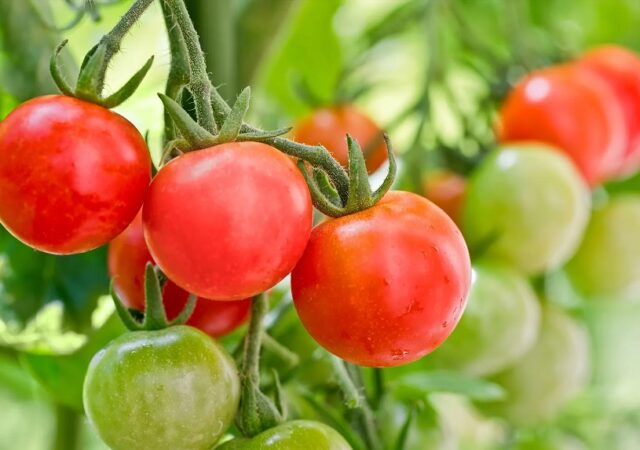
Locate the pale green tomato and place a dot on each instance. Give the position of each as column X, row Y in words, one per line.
column 607, row 263
column 172, row 389
column 550, row 374
column 499, row 324
column 526, row 205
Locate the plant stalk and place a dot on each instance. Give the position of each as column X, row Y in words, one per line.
column 67, row 429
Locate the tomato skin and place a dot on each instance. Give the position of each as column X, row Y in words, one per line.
column 294, row 435
column 228, row 222
column 72, row 174
column 620, row 69
column 384, row 286
column 128, row 256
column 173, row 389
column 446, row 189
column 499, row 325
column 329, row 127
column 574, row 111
column 607, row 263
column 550, row 374
column 527, row 206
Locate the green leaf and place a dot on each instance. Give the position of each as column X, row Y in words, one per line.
column 310, row 50
column 30, row 279
column 62, row 376
column 413, row 385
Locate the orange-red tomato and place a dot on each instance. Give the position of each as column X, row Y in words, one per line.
column 384, row 286
column 228, row 222
column 127, row 257
column 72, row 174
column 446, row 189
column 620, row 69
column 572, row 109
column 329, row 127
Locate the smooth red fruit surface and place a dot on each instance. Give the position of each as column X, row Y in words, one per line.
column 73, row 174
column 446, row 189
column 228, row 222
column 575, row 111
column 329, row 127
column 128, row 256
column 384, row 286
column 620, row 69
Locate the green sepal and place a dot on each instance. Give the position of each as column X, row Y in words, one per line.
column 87, row 87
column 155, row 317
column 233, row 123
column 324, row 184
column 56, row 72
column 280, row 402
column 320, row 201
column 391, row 172
column 123, row 312
column 360, row 195
column 128, row 88
column 260, row 136
column 194, row 134
column 256, row 412
column 186, row 312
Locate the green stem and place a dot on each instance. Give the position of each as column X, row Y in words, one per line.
column 280, row 351
column 113, row 38
column 67, row 429
column 253, row 340
column 216, row 23
column 199, row 84
column 350, row 393
column 364, row 413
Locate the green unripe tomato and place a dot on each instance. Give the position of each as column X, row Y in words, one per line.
column 526, row 205
column 173, row 389
column 607, row 263
column 499, row 324
column 550, row 374
column 295, row 435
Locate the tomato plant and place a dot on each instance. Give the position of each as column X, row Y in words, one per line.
column 550, row 374
column 620, row 69
column 169, row 389
column 72, row 174
column 128, row 255
column 499, row 325
column 228, row 222
column 607, row 264
column 376, row 290
column 328, row 127
column 537, row 109
column 294, row 435
column 527, row 206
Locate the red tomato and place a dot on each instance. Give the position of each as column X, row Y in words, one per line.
column 72, row 174
column 384, row 286
column 573, row 110
column 228, row 222
column 128, row 256
column 446, row 189
column 329, row 127
column 620, row 69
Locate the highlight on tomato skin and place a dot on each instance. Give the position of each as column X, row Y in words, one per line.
column 72, row 174
column 620, row 69
column 128, row 256
column 392, row 281
column 228, row 222
column 329, row 127
column 574, row 111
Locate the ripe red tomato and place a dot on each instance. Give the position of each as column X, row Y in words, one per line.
column 128, row 255
column 228, row 222
column 573, row 110
column 384, row 286
column 620, row 69
column 446, row 189
column 72, row 174
column 329, row 127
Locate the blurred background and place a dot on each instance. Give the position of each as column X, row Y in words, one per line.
column 430, row 72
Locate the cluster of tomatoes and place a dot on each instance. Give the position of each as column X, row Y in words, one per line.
column 528, row 215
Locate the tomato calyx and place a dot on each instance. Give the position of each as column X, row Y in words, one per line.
column 91, row 77
column 155, row 316
column 196, row 137
column 360, row 195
